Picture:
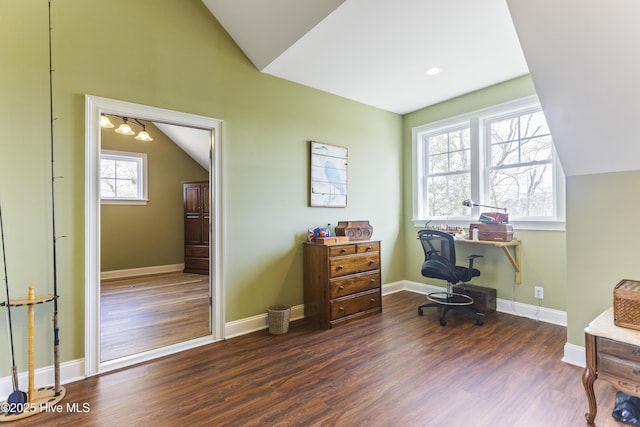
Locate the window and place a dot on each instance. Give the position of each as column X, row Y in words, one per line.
column 501, row 156
column 448, row 173
column 123, row 177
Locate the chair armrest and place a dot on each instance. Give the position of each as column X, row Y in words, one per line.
column 470, row 258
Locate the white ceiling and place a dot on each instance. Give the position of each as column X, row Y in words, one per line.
column 584, row 57
column 376, row 51
column 195, row 142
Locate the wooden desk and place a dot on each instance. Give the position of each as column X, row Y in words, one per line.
column 613, row 354
column 515, row 259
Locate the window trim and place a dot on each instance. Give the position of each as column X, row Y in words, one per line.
column 476, row 121
column 143, row 176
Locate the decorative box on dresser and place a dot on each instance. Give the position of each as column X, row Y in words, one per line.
column 341, row 282
column 196, row 227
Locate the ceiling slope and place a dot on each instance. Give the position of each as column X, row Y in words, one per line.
column 376, row 51
column 195, row 142
column 265, row 29
column 584, row 60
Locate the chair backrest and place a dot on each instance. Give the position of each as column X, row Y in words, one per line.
column 438, row 245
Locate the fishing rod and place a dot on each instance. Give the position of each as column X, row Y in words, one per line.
column 56, row 331
column 17, row 396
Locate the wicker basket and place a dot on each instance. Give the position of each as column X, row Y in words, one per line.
column 626, row 304
column 278, row 317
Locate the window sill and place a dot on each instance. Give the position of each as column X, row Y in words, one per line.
column 517, row 225
column 124, row 202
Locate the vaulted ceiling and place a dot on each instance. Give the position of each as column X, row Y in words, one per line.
column 583, row 56
column 377, row 51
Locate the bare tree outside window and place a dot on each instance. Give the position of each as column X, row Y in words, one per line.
column 123, row 176
column 449, row 176
column 520, row 170
column 502, row 156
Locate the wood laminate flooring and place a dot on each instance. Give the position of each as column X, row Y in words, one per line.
column 144, row 313
column 393, row 369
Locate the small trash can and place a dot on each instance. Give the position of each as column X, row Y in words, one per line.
column 278, row 318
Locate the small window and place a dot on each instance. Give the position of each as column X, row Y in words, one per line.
column 123, row 177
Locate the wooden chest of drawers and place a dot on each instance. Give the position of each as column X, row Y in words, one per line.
column 341, row 282
column 612, row 354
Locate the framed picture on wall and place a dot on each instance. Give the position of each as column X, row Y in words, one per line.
column 328, row 175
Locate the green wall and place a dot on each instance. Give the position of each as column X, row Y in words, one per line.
column 173, row 54
column 543, row 252
column 134, row 236
column 602, row 236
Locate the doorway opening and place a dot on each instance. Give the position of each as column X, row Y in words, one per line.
column 97, row 360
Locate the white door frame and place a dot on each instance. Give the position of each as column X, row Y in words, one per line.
column 94, row 106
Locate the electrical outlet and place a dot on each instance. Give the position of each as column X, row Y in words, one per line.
column 538, row 292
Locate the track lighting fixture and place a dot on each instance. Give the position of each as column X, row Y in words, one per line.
column 143, row 135
column 125, row 127
column 105, row 122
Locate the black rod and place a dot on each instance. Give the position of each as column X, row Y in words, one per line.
column 56, row 338
column 14, row 368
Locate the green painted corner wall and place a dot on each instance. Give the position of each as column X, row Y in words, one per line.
column 179, row 58
column 602, row 236
column 543, row 252
column 135, row 236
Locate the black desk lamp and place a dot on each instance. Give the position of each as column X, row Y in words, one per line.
column 489, row 217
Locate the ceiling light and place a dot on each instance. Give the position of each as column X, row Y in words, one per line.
column 124, row 128
column 433, row 71
column 143, row 135
column 105, row 122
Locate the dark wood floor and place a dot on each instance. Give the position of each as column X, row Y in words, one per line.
column 393, row 369
column 143, row 313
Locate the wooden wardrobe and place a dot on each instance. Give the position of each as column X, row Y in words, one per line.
column 196, row 227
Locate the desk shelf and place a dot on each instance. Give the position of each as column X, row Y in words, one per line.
column 515, row 259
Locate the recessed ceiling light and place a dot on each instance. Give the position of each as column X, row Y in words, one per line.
column 432, row 71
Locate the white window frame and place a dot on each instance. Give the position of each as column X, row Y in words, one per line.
column 479, row 172
column 141, row 160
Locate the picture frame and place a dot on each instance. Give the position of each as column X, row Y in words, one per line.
column 328, row 175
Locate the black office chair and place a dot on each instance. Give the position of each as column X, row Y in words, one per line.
column 440, row 263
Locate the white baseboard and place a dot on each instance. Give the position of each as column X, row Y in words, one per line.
column 256, row 323
column 141, row 271
column 70, row 371
column 573, row 354
column 542, row 314
column 74, row 370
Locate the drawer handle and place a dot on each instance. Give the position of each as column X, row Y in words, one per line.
column 371, row 262
column 373, row 300
column 340, row 267
column 341, row 309
column 341, row 287
column 369, row 248
column 372, row 280
column 343, row 250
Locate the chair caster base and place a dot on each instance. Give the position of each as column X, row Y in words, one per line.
column 444, row 309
